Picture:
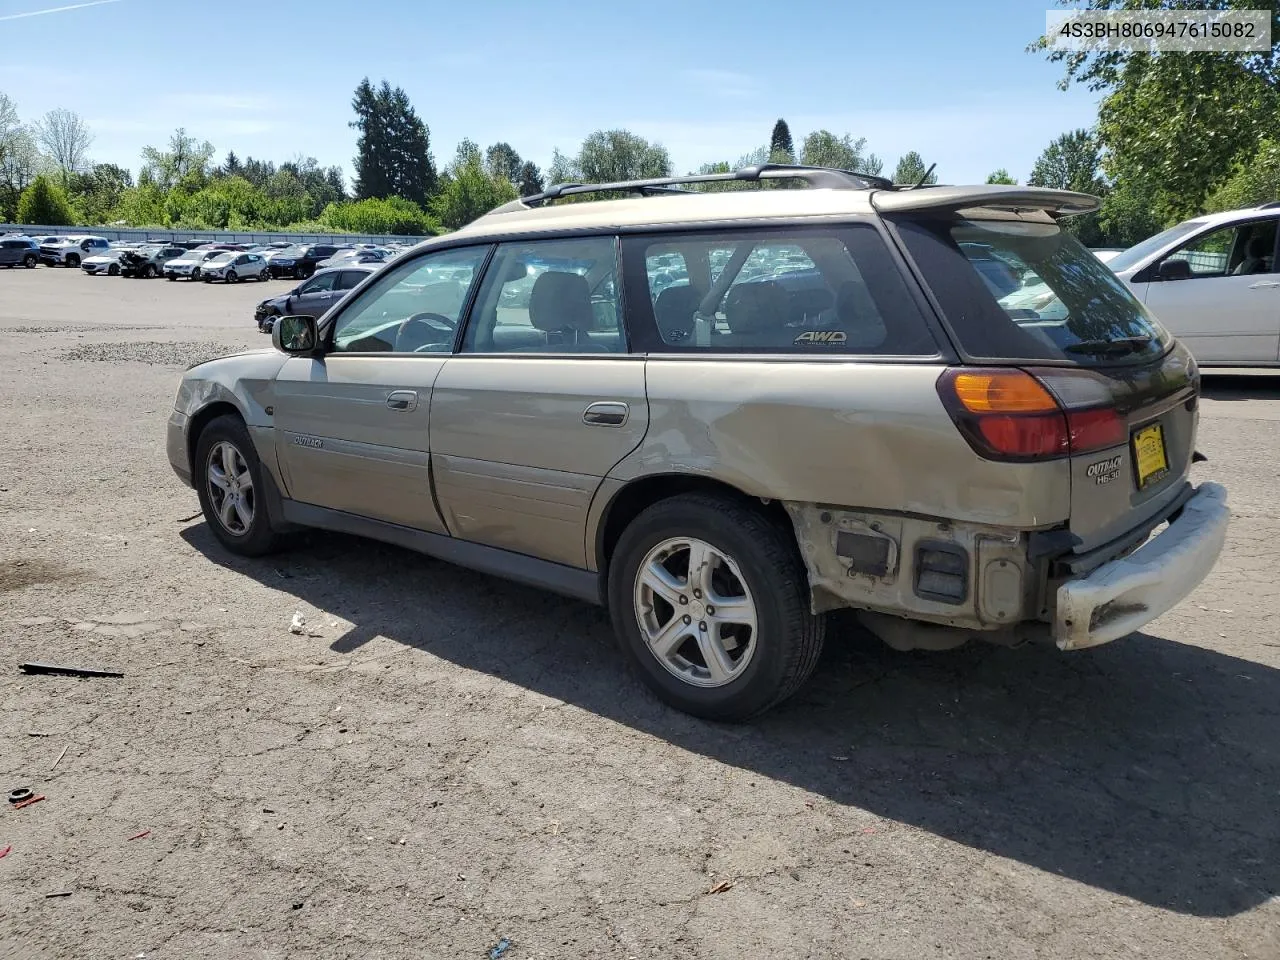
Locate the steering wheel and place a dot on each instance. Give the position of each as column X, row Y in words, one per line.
column 434, row 327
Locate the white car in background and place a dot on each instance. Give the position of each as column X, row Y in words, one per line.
column 106, row 263
column 1213, row 282
column 233, row 267
column 188, row 265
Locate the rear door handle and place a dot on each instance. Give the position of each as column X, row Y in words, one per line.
column 606, row 413
column 402, row 400
column 1263, row 284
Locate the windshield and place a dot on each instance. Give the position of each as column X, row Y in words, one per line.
column 1019, row 290
column 222, row 257
column 1139, row 252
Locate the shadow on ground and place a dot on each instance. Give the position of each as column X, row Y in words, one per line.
column 1148, row 767
column 1257, row 385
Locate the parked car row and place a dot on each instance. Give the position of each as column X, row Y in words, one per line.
column 192, row 260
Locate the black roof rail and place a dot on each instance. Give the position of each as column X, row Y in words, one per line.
column 818, row 177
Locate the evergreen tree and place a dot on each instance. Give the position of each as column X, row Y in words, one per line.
column 529, row 180
column 780, row 144
column 393, row 155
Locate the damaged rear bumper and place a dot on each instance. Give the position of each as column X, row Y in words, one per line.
column 1121, row 596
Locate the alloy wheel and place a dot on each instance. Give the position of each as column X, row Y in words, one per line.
column 695, row 611
column 230, row 488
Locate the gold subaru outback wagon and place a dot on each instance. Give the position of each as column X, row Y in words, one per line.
column 724, row 414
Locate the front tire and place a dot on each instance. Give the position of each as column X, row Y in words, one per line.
column 232, row 277
column 72, row 260
column 230, row 482
column 29, row 261
column 113, row 270
column 710, row 603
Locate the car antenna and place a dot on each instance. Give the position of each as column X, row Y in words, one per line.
column 920, row 182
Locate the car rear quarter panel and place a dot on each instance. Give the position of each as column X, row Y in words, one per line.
column 871, row 436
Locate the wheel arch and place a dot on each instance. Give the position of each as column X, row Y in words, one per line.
column 201, row 419
column 633, row 498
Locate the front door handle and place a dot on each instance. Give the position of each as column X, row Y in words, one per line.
column 1264, row 284
column 402, row 400
column 606, row 413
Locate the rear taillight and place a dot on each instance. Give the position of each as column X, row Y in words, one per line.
column 1008, row 414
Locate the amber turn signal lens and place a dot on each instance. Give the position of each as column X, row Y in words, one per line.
column 1002, row 391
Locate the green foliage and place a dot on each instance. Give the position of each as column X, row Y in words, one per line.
column 187, row 161
column 97, row 194
column 1001, row 176
column 1070, row 162
column 468, row 190
column 781, row 144
column 142, row 206
column 44, row 203
column 501, row 160
column 1175, row 124
column 1073, row 162
column 393, row 215
column 393, row 150
column 608, row 156
column 911, row 168
column 822, row 148
column 1128, row 214
column 1252, row 183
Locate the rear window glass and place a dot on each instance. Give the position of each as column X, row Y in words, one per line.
column 809, row 291
column 1016, row 290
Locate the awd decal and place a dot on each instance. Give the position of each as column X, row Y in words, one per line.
column 315, row 442
column 822, row 336
column 1104, row 471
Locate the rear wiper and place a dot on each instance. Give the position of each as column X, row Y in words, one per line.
column 1108, row 347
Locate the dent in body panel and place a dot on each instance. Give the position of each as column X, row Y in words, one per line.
column 852, row 433
column 1003, row 588
column 245, row 380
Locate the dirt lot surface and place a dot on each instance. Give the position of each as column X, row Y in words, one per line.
column 444, row 760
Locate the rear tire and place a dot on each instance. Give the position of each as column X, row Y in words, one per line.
column 757, row 566
column 242, row 524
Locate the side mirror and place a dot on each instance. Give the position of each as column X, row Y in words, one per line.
column 1174, row 270
column 295, row 334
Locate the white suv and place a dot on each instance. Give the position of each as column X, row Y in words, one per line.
column 1213, row 282
column 69, row 251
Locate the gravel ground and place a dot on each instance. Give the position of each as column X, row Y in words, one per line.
column 442, row 760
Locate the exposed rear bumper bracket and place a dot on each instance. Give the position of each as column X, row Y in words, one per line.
column 1121, row 596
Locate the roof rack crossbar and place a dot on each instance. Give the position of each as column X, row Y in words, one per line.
column 820, row 177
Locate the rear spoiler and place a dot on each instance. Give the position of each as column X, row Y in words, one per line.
column 1058, row 203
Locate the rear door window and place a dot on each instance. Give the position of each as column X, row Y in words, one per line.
column 1024, row 290
column 805, row 291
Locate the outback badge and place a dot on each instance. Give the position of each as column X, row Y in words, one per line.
column 313, row 442
column 1104, row 471
column 822, row 336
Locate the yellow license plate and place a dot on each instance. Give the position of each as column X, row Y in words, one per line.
column 1149, row 454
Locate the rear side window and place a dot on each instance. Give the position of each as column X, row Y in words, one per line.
column 1019, row 290
column 806, row 291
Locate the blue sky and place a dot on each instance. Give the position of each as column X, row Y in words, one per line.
column 707, row 80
